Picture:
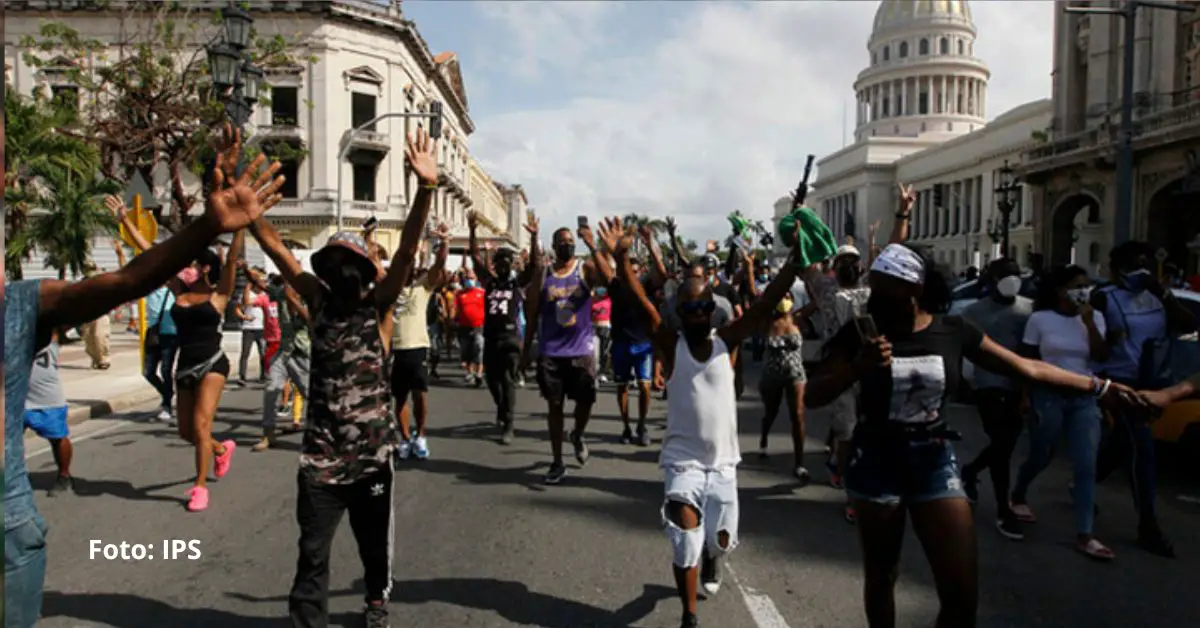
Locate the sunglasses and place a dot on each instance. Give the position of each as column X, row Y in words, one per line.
column 698, row 307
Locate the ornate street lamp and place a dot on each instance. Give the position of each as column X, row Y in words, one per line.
column 1007, row 194
column 252, row 80
column 236, row 80
column 237, row 23
column 224, row 63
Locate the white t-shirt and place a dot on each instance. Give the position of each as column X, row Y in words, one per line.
column 257, row 317
column 1062, row 340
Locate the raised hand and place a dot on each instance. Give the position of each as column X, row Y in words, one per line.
column 671, row 227
column 116, row 206
column 531, row 224
column 472, row 220
column 613, row 235
column 647, row 234
column 234, row 202
column 908, row 196
column 585, row 234
column 442, row 232
column 419, row 153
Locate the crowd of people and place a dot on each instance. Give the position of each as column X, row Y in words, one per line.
column 354, row 344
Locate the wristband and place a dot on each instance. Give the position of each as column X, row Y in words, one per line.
column 903, row 216
column 1104, row 388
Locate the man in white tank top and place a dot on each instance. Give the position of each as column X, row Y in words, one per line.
column 700, row 450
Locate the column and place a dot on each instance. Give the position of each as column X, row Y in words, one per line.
column 942, row 95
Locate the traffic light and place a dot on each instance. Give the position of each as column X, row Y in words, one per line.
column 435, row 124
column 937, row 195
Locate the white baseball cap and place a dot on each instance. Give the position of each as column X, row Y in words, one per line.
column 847, row 249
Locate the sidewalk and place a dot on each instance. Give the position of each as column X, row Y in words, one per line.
column 92, row 393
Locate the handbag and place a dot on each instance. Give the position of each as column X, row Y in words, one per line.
column 152, row 333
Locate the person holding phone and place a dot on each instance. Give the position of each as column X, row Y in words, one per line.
column 560, row 302
column 903, row 465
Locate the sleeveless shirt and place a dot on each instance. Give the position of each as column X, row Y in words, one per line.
column 503, row 307
column 566, row 313
column 702, row 429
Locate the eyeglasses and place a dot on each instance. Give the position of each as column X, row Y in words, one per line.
column 698, row 307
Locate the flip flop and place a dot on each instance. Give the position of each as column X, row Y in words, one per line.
column 1096, row 550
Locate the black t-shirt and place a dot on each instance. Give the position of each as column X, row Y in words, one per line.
column 926, row 370
column 725, row 289
column 629, row 319
column 502, row 303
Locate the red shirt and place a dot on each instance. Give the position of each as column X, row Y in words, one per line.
column 271, row 330
column 469, row 304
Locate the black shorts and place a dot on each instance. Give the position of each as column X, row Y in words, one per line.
column 567, row 378
column 410, row 372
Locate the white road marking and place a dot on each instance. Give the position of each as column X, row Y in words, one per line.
column 762, row 610
column 79, row 439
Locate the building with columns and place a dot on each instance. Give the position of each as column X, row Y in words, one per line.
column 353, row 60
column 1073, row 169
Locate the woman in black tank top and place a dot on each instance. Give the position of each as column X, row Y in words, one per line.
column 202, row 368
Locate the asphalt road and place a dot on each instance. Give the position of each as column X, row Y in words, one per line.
column 481, row 542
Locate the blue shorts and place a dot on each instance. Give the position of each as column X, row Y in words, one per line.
column 902, row 473
column 50, row 423
column 632, row 362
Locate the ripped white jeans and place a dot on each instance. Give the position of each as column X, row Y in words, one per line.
column 713, row 493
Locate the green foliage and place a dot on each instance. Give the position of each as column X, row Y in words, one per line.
column 74, row 214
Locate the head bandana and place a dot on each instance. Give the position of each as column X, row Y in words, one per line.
column 900, row 262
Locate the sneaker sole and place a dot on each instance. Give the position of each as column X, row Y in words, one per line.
column 1012, row 536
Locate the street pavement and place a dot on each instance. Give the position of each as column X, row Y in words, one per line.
column 480, row 541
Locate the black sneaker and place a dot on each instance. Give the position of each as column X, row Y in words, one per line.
column 1010, row 527
column 1152, row 539
column 710, row 576
column 643, row 437
column 689, row 620
column 507, row 437
column 971, row 486
column 62, row 484
column 556, row 473
column 581, row 448
column 627, row 436
column 376, row 616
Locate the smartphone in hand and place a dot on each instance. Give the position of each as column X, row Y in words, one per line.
column 583, row 222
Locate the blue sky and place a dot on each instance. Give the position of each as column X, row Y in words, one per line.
column 690, row 109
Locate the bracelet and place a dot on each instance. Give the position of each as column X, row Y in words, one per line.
column 1100, row 389
column 904, row 216
column 429, row 186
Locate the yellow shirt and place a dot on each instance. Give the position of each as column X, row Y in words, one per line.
column 411, row 330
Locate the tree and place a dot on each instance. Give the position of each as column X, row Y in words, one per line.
column 657, row 226
column 36, row 148
column 146, row 98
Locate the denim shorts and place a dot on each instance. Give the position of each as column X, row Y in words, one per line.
column 49, row 423
column 24, row 572
column 901, row 471
column 632, row 362
column 712, row 492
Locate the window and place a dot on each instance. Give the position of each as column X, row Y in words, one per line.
column 362, row 109
column 1093, row 214
column 944, row 46
column 874, row 58
column 960, row 47
column 364, row 182
column 887, row 107
column 65, row 96
column 291, row 183
column 923, row 103
column 887, row 53
column 903, row 49
column 285, row 106
column 924, row 47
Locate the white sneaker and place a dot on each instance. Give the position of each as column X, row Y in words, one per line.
column 603, row 379
column 404, row 450
column 520, row 382
column 164, row 414
column 420, row 447
column 469, row 378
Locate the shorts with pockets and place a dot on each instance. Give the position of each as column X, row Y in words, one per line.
column 567, row 378
column 712, row 492
column 632, row 362
column 410, row 372
column 902, row 472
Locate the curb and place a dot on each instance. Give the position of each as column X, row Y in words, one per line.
column 77, row 414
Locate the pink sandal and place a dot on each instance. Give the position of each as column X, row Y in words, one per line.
column 1095, row 550
column 198, row 498
column 222, row 462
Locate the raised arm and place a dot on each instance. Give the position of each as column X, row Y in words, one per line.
column 295, row 303
column 533, row 299
column 597, row 270
column 531, row 267
column 229, row 272
column 482, row 269
column 676, row 247
column 117, row 207
column 903, row 215
column 419, row 153
column 658, row 270
column 437, row 273
column 234, row 203
column 760, row 313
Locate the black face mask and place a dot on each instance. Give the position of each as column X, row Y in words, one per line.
column 892, row 315
column 564, row 250
column 848, row 274
column 695, row 333
column 344, row 281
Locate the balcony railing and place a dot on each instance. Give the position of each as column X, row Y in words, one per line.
column 370, row 140
column 1107, row 133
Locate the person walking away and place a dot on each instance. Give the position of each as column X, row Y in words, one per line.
column 700, row 452
column 1002, row 405
column 602, row 323
column 560, row 316
column 272, row 328
column 501, row 341
column 1142, row 316
column 468, row 303
column 34, row 308
column 290, row 365
column 411, row 350
column 253, row 312
column 96, row 333
column 346, row 459
column 46, row 413
column 1065, row 331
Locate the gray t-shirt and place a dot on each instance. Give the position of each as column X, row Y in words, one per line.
column 45, row 387
column 1005, row 324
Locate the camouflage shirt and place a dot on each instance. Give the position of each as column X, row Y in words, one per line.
column 350, row 432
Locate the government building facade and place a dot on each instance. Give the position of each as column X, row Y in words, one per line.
column 354, row 60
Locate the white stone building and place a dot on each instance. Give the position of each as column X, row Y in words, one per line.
column 356, row 59
column 1073, row 171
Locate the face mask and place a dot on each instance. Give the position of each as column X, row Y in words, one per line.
column 764, row 278
column 454, row 287
column 1138, row 280
column 564, row 250
column 345, row 281
column 600, row 292
column 1009, row 286
column 470, row 284
column 1079, row 296
column 893, row 315
column 712, row 280
column 784, row 306
column 848, row 274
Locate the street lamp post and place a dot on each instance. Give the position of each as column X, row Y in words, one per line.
column 236, row 80
column 435, row 130
column 1006, row 201
column 1124, row 219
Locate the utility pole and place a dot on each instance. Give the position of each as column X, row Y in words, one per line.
column 1122, row 229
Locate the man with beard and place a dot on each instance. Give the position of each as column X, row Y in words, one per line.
column 562, row 307
column 501, row 325
column 350, row 435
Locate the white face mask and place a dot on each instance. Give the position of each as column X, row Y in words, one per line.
column 1080, row 295
column 1009, row 286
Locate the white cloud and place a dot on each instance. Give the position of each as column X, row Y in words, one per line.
column 716, row 111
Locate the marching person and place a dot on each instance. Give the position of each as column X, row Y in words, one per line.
column 46, row 413
column 289, row 365
column 350, row 434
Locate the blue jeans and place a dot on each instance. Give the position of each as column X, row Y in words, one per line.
column 159, row 368
column 902, row 471
column 1130, row 443
column 1079, row 417
column 24, row 572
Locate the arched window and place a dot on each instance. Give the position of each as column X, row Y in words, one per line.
column 924, row 48
column 1093, row 213
column 887, row 53
column 944, row 46
column 903, row 49
column 960, row 47
column 874, row 58
column 1094, row 253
